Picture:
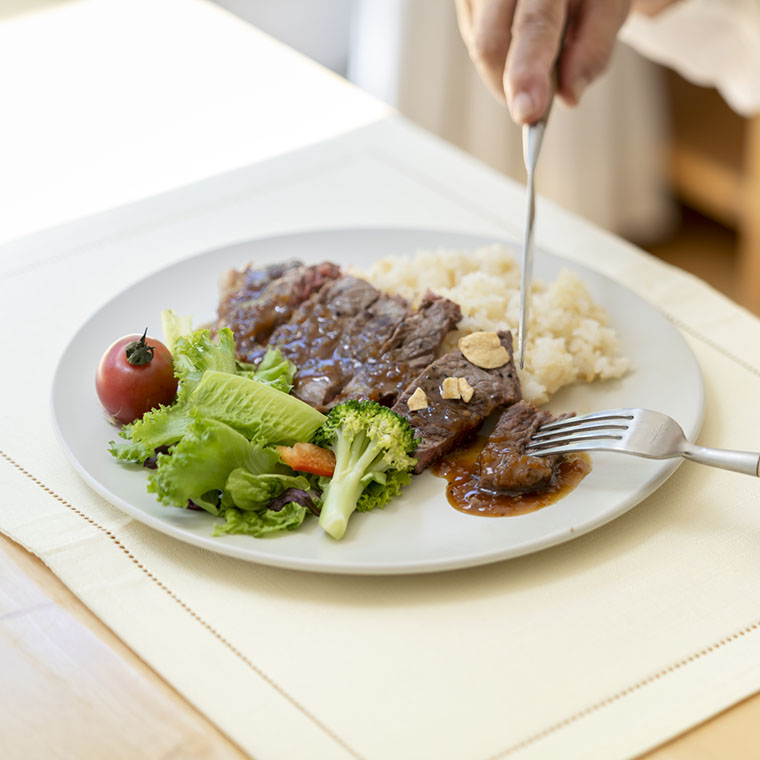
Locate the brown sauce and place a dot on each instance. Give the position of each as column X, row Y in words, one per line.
column 464, row 493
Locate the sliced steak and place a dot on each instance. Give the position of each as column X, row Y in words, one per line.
column 239, row 288
column 418, row 338
column 256, row 301
column 333, row 334
column 446, row 422
column 238, row 285
column 503, row 465
column 412, row 345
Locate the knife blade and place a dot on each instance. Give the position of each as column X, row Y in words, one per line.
column 532, row 138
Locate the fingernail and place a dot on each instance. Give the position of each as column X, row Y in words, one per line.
column 578, row 86
column 522, row 107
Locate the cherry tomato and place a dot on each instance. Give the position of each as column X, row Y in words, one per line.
column 135, row 375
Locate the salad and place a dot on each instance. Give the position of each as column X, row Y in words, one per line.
column 234, row 443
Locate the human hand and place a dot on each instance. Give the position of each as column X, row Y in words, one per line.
column 651, row 7
column 515, row 45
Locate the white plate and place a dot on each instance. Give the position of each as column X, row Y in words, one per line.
column 418, row 532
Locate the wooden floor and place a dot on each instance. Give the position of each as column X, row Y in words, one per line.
column 70, row 683
column 705, row 248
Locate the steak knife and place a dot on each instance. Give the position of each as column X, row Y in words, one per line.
column 532, row 137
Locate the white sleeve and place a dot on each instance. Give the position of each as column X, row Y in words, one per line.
column 710, row 42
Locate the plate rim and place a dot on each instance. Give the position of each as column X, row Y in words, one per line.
column 435, row 565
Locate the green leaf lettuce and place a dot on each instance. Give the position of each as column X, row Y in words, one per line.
column 194, row 356
column 196, row 353
column 255, row 409
column 174, row 326
column 260, row 524
column 275, row 370
column 247, row 490
column 202, row 462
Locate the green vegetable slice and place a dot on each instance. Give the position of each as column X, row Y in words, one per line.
column 255, row 409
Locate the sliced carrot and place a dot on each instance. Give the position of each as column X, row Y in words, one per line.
column 306, row 457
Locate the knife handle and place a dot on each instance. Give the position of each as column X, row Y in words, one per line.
column 553, row 83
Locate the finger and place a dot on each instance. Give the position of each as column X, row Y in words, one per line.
column 489, row 41
column 651, row 7
column 464, row 19
column 588, row 46
column 536, row 35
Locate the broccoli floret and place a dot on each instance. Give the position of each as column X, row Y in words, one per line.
column 373, row 462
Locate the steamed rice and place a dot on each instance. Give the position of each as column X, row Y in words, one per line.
column 568, row 340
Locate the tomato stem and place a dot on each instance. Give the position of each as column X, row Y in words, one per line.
column 139, row 353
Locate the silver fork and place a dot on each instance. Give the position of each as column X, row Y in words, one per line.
column 640, row 432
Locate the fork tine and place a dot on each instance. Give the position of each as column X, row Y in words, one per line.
column 545, row 435
column 569, row 448
column 570, row 438
column 570, row 422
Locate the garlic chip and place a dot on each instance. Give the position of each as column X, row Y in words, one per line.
column 450, row 388
column 418, row 400
column 465, row 389
column 484, row 349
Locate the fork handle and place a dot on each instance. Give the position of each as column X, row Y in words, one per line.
column 746, row 462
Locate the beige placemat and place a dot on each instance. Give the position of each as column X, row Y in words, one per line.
column 601, row 647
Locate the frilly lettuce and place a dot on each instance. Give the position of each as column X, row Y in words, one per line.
column 203, row 460
column 159, row 427
column 218, row 430
column 273, row 370
column 260, row 524
column 247, row 490
column 195, row 354
column 213, row 458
